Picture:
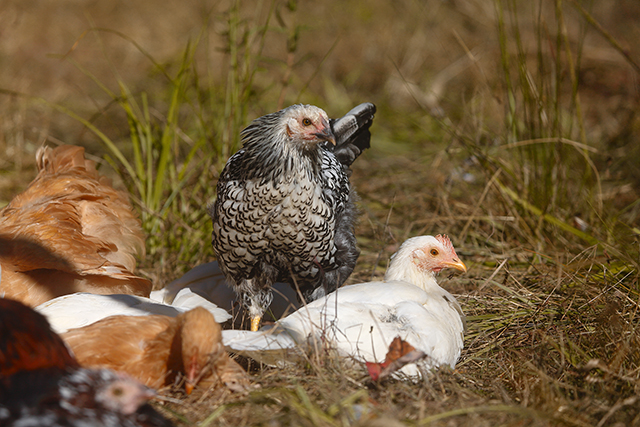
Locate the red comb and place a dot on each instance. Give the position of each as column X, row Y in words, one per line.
column 446, row 242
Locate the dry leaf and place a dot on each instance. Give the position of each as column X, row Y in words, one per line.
column 400, row 353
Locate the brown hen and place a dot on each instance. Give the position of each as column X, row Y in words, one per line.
column 155, row 349
column 69, row 231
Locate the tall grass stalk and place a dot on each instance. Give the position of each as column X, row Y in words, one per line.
column 175, row 147
column 549, row 182
column 155, row 174
column 245, row 42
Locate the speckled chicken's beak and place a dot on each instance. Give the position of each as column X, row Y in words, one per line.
column 457, row 264
column 326, row 134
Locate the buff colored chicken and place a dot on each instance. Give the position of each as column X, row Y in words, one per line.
column 69, row 231
column 155, row 348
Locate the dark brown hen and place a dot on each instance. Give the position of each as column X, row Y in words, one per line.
column 27, row 343
column 41, row 383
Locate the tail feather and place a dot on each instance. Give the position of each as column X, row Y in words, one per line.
column 106, row 213
column 352, row 133
column 63, row 159
column 205, row 278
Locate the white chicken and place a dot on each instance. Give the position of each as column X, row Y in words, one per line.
column 360, row 321
column 82, row 309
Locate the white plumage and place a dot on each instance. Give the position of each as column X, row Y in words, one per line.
column 82, row 309
column 204, row 285
column 360, row 321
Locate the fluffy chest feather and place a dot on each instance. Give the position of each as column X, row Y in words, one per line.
column 291, row 211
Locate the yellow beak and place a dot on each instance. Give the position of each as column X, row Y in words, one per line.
column 326, row 134
column 457, row 264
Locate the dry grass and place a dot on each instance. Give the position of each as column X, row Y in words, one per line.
column 510, row 126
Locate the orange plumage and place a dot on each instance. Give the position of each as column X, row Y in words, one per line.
column 69, row 231
column 154, row 349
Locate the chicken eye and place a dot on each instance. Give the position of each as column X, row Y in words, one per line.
column 306, row 122
column 434, row 252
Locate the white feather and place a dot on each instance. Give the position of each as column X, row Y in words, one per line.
column 82, row 309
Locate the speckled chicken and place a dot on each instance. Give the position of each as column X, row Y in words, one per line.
column 285, row 209
column 41, row 383
column 69, row 231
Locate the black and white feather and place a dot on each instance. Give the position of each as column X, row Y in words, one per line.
column 352, row 133
column 285, row 209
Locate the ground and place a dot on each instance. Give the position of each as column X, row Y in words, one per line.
column 512, row 127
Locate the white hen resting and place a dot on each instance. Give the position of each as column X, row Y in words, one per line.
column 82, row 309
column 360, row 321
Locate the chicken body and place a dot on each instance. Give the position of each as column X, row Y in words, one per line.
column 155, row 349
column 360, row 321
column 27, row 343
column 285, row 210
column 69, row 231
